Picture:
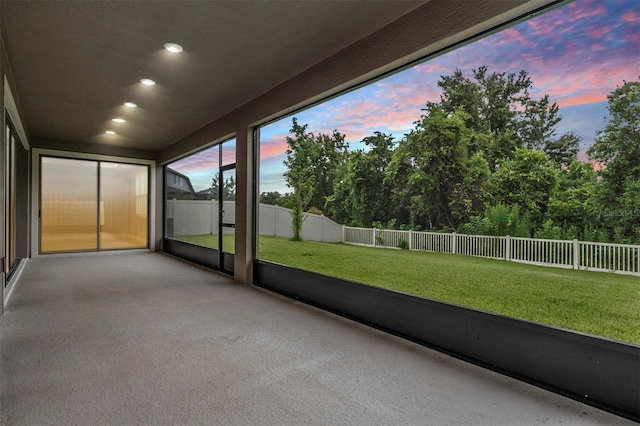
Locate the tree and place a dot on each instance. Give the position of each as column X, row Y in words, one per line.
column 362, row 196
column 617, row 150
column 314, row 164
column 537, row 130
column 491, row 102
column 564, row 150
column 574, row 201
column 472, row 193
column 526, row 181
column 503, row 116
column 270, row 198
column 228, row 188
column 428, row 167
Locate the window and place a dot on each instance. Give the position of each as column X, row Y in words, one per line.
column 457, row 178
column 194, row 212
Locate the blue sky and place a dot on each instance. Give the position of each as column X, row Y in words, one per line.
column 576, row 53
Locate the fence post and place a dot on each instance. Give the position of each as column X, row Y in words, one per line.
column 342, row 237
column 576, row 254
column 507, row 249
column 410, row 239
column 373, row 236
column 454, row 243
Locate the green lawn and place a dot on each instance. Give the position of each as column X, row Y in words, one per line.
column 211, row 241
column 592, row 302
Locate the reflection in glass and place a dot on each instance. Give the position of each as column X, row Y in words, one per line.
column 228, row 209
column 123, row 206
column 69, row 208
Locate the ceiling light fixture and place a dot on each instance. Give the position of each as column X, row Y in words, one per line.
column 147, row 82
column 173, row 47
column 119, row 120
column 110, row 132
column 130, row 104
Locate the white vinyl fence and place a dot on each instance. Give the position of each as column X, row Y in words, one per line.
column 571, row 254
column 276, row 221
column 200, row 217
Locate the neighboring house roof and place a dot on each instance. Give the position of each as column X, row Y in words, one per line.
column 183, row 183
column 204, row 192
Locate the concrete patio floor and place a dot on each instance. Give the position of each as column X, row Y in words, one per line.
column 143, row 338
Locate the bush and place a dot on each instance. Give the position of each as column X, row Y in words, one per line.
column 315, row 210
column 403, row 244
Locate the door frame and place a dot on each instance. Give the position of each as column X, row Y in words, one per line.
column 35, row 195
column 221, row 223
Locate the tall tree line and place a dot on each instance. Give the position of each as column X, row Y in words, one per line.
column 484, row 159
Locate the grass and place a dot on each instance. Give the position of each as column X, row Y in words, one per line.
column 211, row 241
column 591, row 302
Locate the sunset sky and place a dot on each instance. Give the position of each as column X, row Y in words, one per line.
column 577, row 54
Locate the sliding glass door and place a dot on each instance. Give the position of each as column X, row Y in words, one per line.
column 123, row 206
column 89, row 205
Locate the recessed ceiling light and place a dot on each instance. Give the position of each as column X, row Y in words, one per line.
column 119, row 120
column 130, row 104
column 173, row 47
column 147, row 82
column 110, row 132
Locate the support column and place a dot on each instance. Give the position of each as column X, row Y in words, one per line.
column 243, row 256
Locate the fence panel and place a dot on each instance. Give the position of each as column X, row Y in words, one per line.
column 481, row 246
column 618, row 258
column 361, row 236
column 609, row 257
column 432, row 241
column 390, row 238
column 543, row 252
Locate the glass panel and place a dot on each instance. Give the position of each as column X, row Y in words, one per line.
column 123, row 206
column 228, row 210
column 191, row 188
column 69, row 213
column 481, row 164
column 228, row 152
column 5, row 189
column 11, row 252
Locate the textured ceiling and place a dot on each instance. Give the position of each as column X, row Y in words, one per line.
column 76, row 63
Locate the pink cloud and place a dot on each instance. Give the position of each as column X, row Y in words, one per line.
column 274, row 146
column 513, row 35
column 598, row 32
column 577, row 10
column 197, row 162
column 631, row 16
column 545, row 27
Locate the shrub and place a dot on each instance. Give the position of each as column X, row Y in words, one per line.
column 315, row 210
column 403, row 244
